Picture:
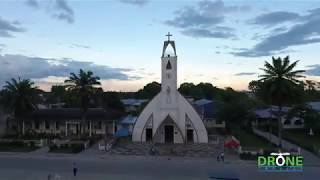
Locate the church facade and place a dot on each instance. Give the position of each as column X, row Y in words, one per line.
column 169, row 117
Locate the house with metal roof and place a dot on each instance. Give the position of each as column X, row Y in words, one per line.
column 71, row 121
column 207, row 112
column 270, row 115
column 133, row 105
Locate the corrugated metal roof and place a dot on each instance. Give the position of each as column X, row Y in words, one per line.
column 315, row 105
column 133, row 102
column 129, row 119
column 74, row 114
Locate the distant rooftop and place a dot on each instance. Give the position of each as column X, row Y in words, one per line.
column 133, row 102
column 74, row 114
column 270, row 112
column 129, row 119
column 315, row 105
column 201, row 102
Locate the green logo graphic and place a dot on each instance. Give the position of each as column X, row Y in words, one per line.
column 280, row 162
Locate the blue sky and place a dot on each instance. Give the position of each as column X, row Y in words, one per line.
column 221, row 42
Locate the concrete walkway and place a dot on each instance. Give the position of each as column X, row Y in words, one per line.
column 309, row 158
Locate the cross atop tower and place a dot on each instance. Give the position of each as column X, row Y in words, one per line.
column 169, row 36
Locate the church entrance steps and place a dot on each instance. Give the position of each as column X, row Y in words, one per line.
column 130, row 148
column 188, row 150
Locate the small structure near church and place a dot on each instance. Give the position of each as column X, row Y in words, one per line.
column 169, row 117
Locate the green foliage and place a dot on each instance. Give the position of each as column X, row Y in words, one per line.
column 112, row 100
column 280, row 84
column 83, row 86
column 20, row 96
column 149, row 91
column 199, row 91
column 234, row 107
column 310, row 116
column 312, row 92
column 67, row 148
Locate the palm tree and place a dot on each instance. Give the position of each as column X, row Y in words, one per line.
column 20, row 97
column 84, row 86
column 282, row 85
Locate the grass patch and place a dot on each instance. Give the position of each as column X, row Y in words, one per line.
column 16, row 147
column 301, row 138
column 248, row 139
column 66, row 148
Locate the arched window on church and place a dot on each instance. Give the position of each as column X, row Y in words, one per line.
column 169, row 65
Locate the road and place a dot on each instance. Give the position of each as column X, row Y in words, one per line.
column 134, row 167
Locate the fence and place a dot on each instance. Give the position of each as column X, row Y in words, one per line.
column 275, row 140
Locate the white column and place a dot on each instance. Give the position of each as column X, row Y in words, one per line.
column 90, row 131
column 55, row 128
column 23, row 127
column 66, row 132
column 113, row 128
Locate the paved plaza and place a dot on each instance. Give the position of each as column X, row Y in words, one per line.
column 17, row 166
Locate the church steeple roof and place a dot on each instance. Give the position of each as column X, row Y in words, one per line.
column 166, row 44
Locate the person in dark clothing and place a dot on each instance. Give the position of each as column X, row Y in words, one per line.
column 75, row 169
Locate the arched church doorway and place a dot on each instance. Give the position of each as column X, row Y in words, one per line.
column 168, row 132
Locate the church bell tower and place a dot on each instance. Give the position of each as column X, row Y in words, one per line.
column 169, row 117
column 169, row 66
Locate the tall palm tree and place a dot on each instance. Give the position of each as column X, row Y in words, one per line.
column 84, row 86
column 282, row 85
column 20, row 97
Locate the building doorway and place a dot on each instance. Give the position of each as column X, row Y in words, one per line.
column 148, row 134
column 168, row 133
column 190, row 136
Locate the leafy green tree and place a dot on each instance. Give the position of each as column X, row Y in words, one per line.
column 20, row 98
column 310, row 116
column 234, row 107
column 208, row 90
column 312, row 91
column 149, row 91
column 281, row 85
column 112, row 100
column 187, row 89
column 199, row 91
column 83, row 86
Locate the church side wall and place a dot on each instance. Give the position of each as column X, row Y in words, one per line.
column 138, row 134
column 199, row 128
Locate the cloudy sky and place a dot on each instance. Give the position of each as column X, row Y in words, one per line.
column 221, row 42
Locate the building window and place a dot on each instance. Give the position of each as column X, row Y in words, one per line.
column 99, row 125
column 36, row 124
column 219, row 121
column 47, row 124
column 57, row 125
column 169, row 65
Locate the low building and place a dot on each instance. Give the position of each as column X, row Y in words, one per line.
column 128, row 123
column 315, row 105
column 206, row 110
column 133, row 105
column 72, row 121
column 3, row 122
column 266, row 115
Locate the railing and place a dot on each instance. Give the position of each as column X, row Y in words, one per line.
column 275, row 140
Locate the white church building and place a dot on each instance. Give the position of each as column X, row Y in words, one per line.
column 169, row 117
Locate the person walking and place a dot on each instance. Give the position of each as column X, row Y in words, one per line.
column 222, row 156
column 75, row 169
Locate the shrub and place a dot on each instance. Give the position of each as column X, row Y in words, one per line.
column 248, row 156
